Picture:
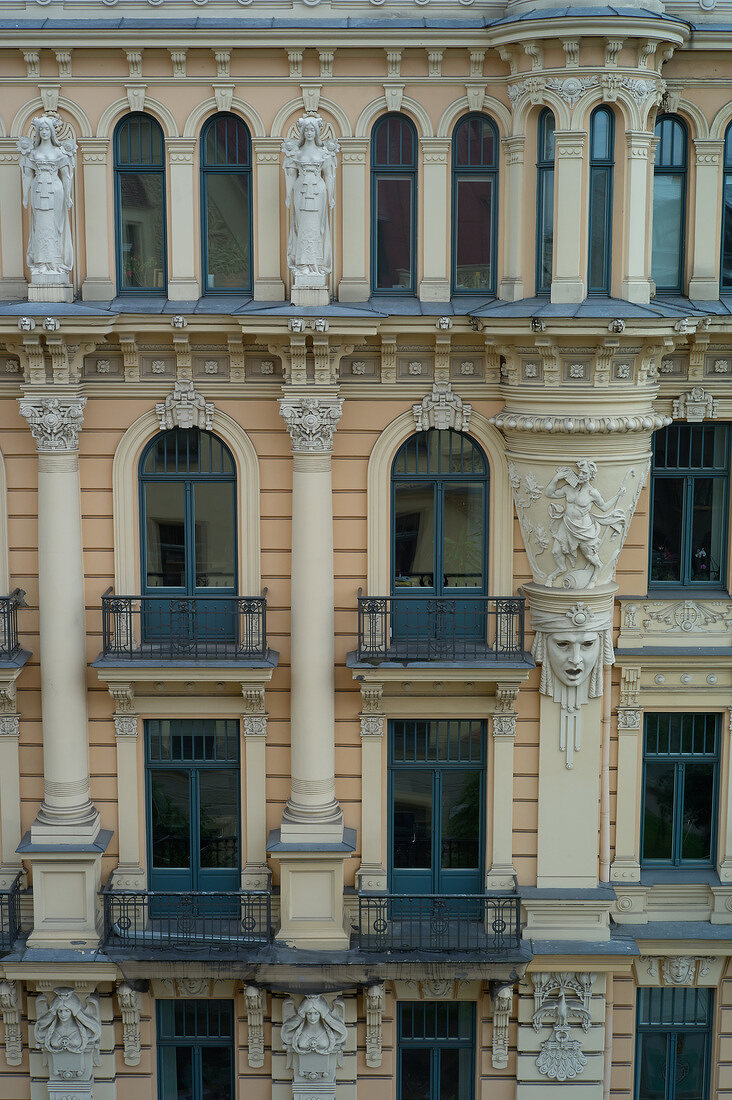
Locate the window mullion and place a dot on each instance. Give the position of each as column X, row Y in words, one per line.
column 679, row 783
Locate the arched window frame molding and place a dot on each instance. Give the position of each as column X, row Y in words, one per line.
column 125, row 497
column 500, row 504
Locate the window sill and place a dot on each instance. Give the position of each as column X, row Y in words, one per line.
column 679, row 876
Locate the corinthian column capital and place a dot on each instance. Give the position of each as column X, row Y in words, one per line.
column 311, row 422
column 55, row 422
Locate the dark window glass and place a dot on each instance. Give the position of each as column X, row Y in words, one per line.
column 140, row 204
column 673, row 1042
column 545, row 203
column 394, row 189
column 601, row 184
column 226, row 190
column 689, row 504
column 475, row 190
column 436, row 1046
column 726, row 266
column 669, row 204
column 680, row 765
column 195, row 1050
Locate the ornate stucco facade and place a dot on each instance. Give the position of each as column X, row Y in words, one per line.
column 307, row 627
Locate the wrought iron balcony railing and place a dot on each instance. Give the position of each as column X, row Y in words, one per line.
column 440, row 628
column 440, row 923
column 172, row 628
column 9, row 916
column 152, row 921
column 9, row 644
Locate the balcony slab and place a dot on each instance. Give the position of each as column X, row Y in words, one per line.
column 151, row 678
column 451, row 679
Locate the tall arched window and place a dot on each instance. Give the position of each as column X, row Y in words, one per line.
column 394, row 205
column 139, row 171
column 226, row 204
column 474, row 204
column 545, row 202
column 188, row 532
column 726, row 266
column 669, row 204
column 602, row 143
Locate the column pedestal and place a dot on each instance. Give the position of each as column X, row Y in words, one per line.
column 311, row 893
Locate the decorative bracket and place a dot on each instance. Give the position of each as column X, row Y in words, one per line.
column 442, row 409
column 129, row 1006
column 10, row 1006
column 185, row 407
column 374, row 998
column 255, row 999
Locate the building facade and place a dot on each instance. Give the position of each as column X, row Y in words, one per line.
column 365, row 632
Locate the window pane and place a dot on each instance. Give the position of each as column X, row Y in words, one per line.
column 707, row 530
column 601, row 147
column 414, row 536
column 214, row 520
column 659, row 810
column 696, row 824
column 216, row 1073
column 460, row 819
column 727, row 231
column 218, row 793
column 413, row 819
column 652, row 1069
column 600, row 180
column 394, row 233
column 667, row 230
column 666, row 541
column 462, row 561
column 141, row 230
column 165, row 528
column 474, row 234
column 415, row 1076
column 546, row 142
column 455, row 1074
column 176, row 1064
column 227, row 230
column 691, row 1067
column 546, row 228
column 171, row 845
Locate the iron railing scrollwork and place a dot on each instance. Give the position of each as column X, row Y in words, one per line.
column 170, row 921
column 438, row 923
column 10, row 915
column 9, row 644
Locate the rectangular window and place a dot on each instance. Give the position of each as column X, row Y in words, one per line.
column 436, row 1042
column 674, row 1033
column 689, row 506
column 680, row 781
column 195, row 1050
column 474, row 217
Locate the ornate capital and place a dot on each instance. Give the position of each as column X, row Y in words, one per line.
column 311, row 422
column 504, row 725
column 55, row 422
column 255, row 725
column 185, row 407
column 125, row 725
column 372, row 725
column 442, row 409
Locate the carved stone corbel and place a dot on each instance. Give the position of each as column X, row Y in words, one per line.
column 128, row 343
column 388, row 358
column 185, row 407
column 442, row 409
column 10, row 1006
column 129, row 1007
column 374, row 1000
column 255, row 999
column 502, row 1002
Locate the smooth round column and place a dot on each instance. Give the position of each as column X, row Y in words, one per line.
column 312, row 812
column 55, row 424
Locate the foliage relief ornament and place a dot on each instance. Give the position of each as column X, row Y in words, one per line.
column 571, row 88
column 55, row 422
column 310, row 171
column 47, row 171
column 558, row 1000
column 311, row 422
column 185, row 407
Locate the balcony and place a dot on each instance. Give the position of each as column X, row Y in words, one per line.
column 9, row 916
column 148, row 923
column 476, row 924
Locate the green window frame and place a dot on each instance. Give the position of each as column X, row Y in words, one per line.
column 195, row 1049
column 436, row 1050
column 226, row 205
column 393, row 189
column 669, row 205
column 673, row 1043
column 680, row 789
column 689, row 507
column 545, row 202
column 139, row 202
column 602, row 146
column 725, row 268
column 474, row 205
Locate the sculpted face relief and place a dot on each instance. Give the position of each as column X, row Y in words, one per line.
column 573, row 655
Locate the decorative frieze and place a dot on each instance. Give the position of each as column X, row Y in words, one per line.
column 129, row 1002
column 185, row 407
column 55, row 422
column 311, row 422
column 561, row 999
column 675, row 624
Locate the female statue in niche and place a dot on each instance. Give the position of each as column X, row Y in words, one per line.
column 314, row 1028
column 67, row 1025
column 309, row 169
column 47, row 169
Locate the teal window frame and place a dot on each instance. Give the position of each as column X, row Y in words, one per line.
column 436, row 1027
column 478, row 170
column 601, row 167
column 725, row 267
column 402, row 167
column 195, row 1025
column 673, row 1012
column 680, row 740
column 144, row 166
column 672, row 154
column 229, row 165
column 686, row 435
column 544, row 178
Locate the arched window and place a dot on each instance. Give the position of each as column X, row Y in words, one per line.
column 188, row 532
column 139, row 172
column 726, row 266
column 545, row 202
column 226, row 204
column 669, row 204
column 474, row 204
column 394, row 205
column 439, row 531
column 602, row 144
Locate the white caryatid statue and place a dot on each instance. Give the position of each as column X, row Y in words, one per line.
column 309, row 167
column 47, row 173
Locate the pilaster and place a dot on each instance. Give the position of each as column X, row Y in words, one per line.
column 435, row 284
column 268, row 284
column 511, row 287
column 183, row 285
column 371, row 875
column 704, row 283
column 354, row 284
column 625, row 867
column 568, row 284
column 501, row 874
column 99, row 282
column 13, row 283
column 255, row 874
column 128, row 874
column 9, row 787
column 636, row 284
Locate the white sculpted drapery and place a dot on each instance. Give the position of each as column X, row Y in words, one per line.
column 47, row 171
column 309, row 168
